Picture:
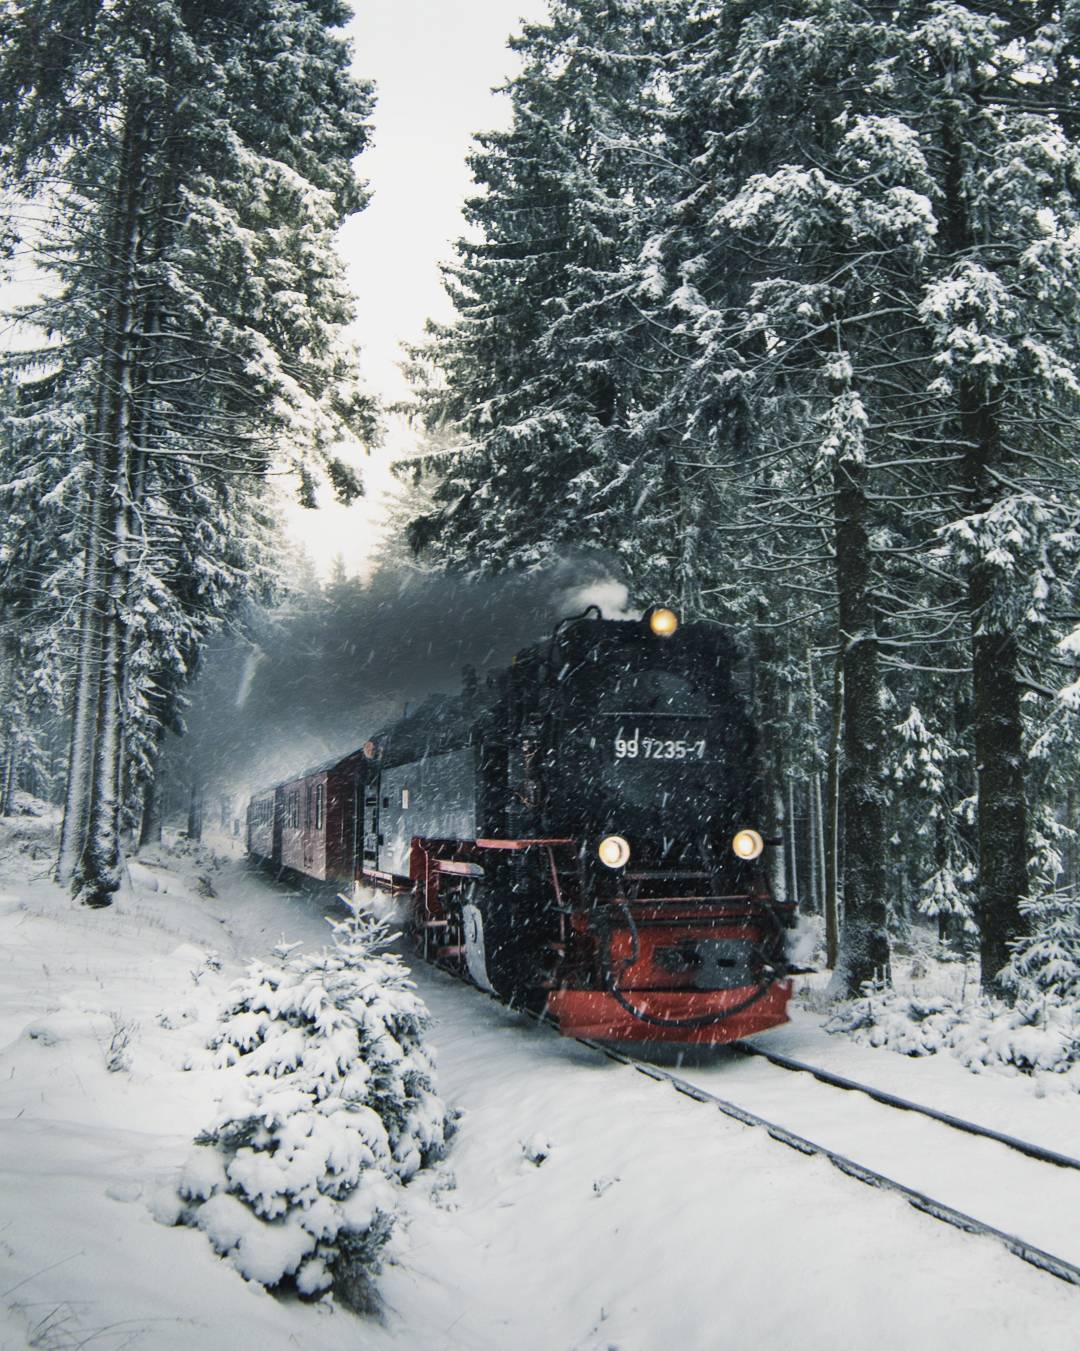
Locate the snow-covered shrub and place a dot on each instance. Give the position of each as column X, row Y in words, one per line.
column 1039, row 1034
column 330, row 1109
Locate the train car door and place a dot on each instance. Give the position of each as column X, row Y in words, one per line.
column 370, row 791
column 308, row 836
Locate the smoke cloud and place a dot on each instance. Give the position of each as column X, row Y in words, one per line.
column 333, row 666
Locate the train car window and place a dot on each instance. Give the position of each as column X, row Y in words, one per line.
column 319, row 798
column 294, row 810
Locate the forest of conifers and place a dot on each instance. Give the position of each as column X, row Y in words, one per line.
column 769, row 311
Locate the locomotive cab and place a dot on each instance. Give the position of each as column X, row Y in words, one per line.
column 644, row 739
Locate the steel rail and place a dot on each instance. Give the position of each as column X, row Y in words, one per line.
column 1033, row 1151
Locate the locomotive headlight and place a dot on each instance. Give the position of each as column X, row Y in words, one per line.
column 748, row 844
column 614, row 851
column 663, row 621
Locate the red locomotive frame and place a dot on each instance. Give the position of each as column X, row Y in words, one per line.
column 647, row 1000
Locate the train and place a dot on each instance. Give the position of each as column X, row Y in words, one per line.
column 580, row 834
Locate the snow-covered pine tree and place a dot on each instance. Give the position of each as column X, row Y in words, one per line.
column 537, row 374
column 995, row 91
column 205, row 159
column 333, row 1106
column 1046, row 958
column 752, row 570
column 844, row 180
column 800, row 270
column 36, row 475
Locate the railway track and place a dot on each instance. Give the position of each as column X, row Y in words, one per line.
column 1029, row 1252
column 823, row 1076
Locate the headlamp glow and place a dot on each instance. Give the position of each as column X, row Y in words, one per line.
column 748, row 844
column 663, row 621
column 614, row 851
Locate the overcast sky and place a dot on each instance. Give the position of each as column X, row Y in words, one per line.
column 435, row 63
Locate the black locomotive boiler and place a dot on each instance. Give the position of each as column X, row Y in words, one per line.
column 582, row 834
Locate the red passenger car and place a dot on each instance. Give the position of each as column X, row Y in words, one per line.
column 317, row 820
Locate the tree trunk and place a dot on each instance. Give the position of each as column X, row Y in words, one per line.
column 1001, row 822
column 832, row 821
column 87, row 673
column 7, row 730
column 813, row 791
column 771, row 759
column 11, row 772
column 150, row 817
column 1001, row 819
column 819, row 816
column 98, row 874
column 776, row 825
column 7, row 787
column 793, row 860
column 195, row 811
column 864, row 941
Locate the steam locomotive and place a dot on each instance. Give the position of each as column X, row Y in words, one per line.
column 578, row 835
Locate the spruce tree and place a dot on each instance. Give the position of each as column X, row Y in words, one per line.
column 537, row 375
column 995, row 85
column 204, row 157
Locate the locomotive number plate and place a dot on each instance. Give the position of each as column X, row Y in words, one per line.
column 656, row 748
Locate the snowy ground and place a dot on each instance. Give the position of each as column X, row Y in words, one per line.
column 650, row 1221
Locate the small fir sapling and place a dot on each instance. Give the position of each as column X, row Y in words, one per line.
column 330, row 1109
column 924, row 757
column 1045, row 962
